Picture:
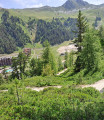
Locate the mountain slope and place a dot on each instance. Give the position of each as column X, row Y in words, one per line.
column 46, row 23
column 11, row 33
column 68, row 5
column 76, row 4
column 55, row 31
column 19, row 32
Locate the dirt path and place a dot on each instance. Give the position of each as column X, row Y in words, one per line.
column 41, row 88
column 98, row 85
column 35, row 88
column 8, row 55
column 68, row 48
column 62, row 71
column 3, row 90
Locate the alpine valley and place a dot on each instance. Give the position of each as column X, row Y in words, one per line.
column 35, row 25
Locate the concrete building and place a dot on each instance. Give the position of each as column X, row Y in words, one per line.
column 5, row 61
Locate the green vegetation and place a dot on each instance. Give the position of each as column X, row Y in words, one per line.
column 27, row 20
column 52, row 103
column 96, row 21
column 11, row 34
column 66, row 65
column 81, row 25
column 19, row 65
column 34, row 31
column 37, row 81
column 88, row 67
column 70, row 102
column 55, row 32
column 60, row 65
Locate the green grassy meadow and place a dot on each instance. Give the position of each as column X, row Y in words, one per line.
column 48, row 15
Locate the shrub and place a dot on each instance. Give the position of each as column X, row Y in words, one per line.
column 91, row 91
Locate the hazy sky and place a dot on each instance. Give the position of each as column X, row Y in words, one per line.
column 37, row 3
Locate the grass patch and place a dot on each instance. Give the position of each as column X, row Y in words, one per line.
column 47, row 81
column 39, row 81
column 81, row 77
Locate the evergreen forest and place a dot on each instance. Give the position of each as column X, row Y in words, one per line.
column 15, row 33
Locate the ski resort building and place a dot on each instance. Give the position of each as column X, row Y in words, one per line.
column 5, row 61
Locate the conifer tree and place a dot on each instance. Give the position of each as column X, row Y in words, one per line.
column 47, row 71
column 48, row 58
column 81, row 26
column 5, row 16
column 91, row 52
column 53, row 63
column 35, row 67
column 15, row 73
column 71, row 59
column 22, row 61
column 60, row 65
column 46, row 53
column 19, row 65
column 101, row 35
column 66, row 65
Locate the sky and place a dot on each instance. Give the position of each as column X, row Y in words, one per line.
column 38, row 3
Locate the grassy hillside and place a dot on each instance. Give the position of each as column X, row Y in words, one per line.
column 48, row 15
column 56, row 30
column 76, row 4
column 12, row 33
column 26, row 14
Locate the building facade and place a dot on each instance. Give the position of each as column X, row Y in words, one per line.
column 5, row 61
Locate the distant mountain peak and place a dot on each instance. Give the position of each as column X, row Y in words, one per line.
column 75, row 4
column 69, row 5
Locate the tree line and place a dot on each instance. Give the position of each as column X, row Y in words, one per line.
column 56, row 31
column 45, row 66
column 11, row 34
column 89, row 43
column 12, row 31
column 89, row 55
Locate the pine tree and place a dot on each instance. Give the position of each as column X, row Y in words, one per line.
column 71, row 59
column 47, row 71
column 81, row 26
column 46, row 53
column 48, row 58
column 91, row 51
column 35, row 67
column 19, row 65
column 101, row 35
column 5, row 16
column 66, row 65
column 15, row 73
column 60, row 65
column 53, row 63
